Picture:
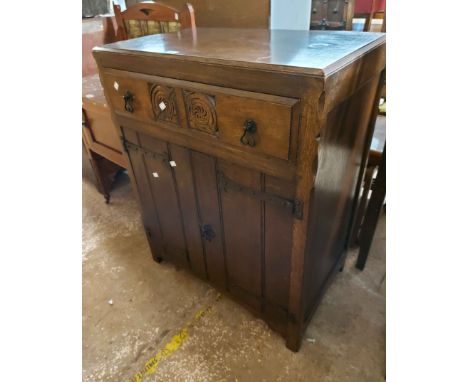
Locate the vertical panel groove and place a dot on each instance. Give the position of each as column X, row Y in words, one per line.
column 195, row 189
column 221, row 222
column 176, row 187
column 262, row 233
column 151, row 192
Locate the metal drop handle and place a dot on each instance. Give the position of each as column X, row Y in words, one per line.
column 128, row 99
column 250, row 127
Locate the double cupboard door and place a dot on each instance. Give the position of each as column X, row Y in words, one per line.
column 229, row 224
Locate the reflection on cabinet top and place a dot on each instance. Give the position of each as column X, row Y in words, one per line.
column 307, row 52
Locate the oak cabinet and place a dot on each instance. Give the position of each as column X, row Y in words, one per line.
column 246, row 157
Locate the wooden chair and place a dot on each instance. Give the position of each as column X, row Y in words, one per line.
column 375, row 154
column 149, row 17
column 100, row 138
column 371, row 218
column 368, row 210
column 371, row 10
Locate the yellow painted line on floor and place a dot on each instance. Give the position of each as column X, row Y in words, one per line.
column 175, row 343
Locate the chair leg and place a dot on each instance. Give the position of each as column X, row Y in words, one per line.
column 372, row 215
column 362, row 206
column 105, row 173
column 101, row 184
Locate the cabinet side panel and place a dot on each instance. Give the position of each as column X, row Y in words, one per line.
column 242, row 219
column 339, row 161
column 188, row 205
column 204, row 172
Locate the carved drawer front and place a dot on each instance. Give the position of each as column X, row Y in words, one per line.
column 127, row 95
column 255, row 123
column 141, row 99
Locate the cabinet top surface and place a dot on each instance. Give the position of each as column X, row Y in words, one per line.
column 308, row 52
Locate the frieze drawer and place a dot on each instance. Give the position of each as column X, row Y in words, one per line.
column 257, row 123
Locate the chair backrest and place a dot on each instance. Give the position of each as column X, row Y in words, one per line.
column 372, row 11
column 148, row 17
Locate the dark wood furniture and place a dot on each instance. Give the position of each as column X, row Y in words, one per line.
column 245, row 149
column 226, row 14
column 373, row 161
column 100, row 139
column 372, row 215
column 332, row 14
column 99, row 136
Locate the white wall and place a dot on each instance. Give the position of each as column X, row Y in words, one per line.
column 290, row 14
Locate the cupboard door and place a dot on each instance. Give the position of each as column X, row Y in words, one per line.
column 181, row 159
column 147, row 207
column 258, row 235
column 230, row 224
column 165, row 198
column 151, row 167
column 242, row 218
column 204, row 175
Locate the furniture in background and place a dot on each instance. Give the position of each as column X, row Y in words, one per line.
column 99, row 135
column 148, row 17
column 365, row 219
column 245, row 158
column 372, row 215
column 226, row 14
column 370, row 10
column 373, row 161
column 332, row 14
column 92, row 8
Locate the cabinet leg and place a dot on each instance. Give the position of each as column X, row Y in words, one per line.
column 361, row 206
column 294, row 337
column 105, row 173
column 100, row 183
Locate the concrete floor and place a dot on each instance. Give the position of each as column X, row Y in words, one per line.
column 152, row 302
